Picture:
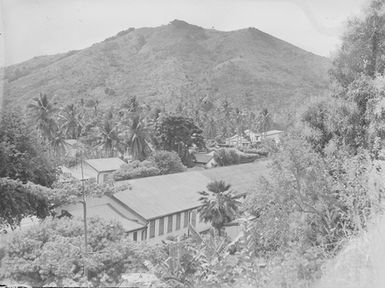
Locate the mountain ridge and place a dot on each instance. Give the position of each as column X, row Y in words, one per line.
column 158, row 64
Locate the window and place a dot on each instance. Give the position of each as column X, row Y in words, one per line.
column 135, row 236
column 185, row 219
column 193, row 218
column 105, row 177
column 152, row 228
column 161, row 226
column 169, row 225
column 178, row 216
column 144, row 235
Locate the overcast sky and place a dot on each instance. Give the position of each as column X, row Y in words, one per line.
column 40, row 27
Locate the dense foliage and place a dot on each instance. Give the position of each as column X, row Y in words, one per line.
column 179, row 134
column 135, row 169
column 219, row 205
column 20, row 200
column 52, row 253
column 167, row 162
column 22, row 156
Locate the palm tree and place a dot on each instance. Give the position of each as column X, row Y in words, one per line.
column 72, row 125
column 109, row 137
column 219, row 206
column 42, row 114
column 57, row 141
column 264, row 121
column 138, row 139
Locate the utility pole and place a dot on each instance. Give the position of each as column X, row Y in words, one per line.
column 85, row 269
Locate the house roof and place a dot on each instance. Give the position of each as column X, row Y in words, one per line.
column 108, row 209
column 76, row 172
column 203, row 157
column 237, row 137
column 157, row 196
column 105, row 164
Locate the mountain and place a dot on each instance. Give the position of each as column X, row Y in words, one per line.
column 247, row 67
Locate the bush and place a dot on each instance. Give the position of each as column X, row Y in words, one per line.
column 167, row 162
column 135, row 169
column 226, row 157
column 52, row 252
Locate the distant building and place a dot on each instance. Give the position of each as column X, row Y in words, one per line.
column 98, row 169
column 205, row 159
column 272, row 134
column 154, row 208
column 257, row 137
column 237, row 141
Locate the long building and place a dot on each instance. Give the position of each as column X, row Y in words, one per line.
column 153, row 208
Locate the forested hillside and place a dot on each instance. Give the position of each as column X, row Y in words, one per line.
column 247, row 67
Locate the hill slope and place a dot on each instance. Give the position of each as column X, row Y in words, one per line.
column 248, row 67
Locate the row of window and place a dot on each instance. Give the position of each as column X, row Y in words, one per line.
column 170, row 219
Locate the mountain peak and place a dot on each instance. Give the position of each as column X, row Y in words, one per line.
column 180, row 24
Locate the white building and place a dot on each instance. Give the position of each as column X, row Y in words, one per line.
column 237, row 141
column 154, row 208
column 98, row 169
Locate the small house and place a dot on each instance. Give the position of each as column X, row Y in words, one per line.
column 205, row 160
column 98, row 169
column 237, row 141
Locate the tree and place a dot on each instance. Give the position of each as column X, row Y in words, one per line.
column 22, row 156
column 109, row 136
column 326, row 198
column 226, row 157
column 138, row 139
column 167, row 162
column 20, row 200
column 264, row 121
column 71, row 122
column 177, row 133
column 218, row 205
column 361, row 50
column 50, row 253
column 42, row 114
column 136, row 169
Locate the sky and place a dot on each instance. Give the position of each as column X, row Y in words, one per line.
column 32, row 28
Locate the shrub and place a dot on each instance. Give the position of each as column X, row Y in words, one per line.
column 52, row 252
column 135, row 169
column 226, row 157
column 167, row 162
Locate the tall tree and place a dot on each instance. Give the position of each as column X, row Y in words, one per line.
column 22, row 156
column 177, row 133
column 264, row 121
column 362, row 47
column 138, row 139
column 71, row 122
column 42, row 114
column 109, row 135
column 219, row 205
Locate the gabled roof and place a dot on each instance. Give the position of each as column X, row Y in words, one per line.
column 157, row 196
column 105, row 164
column 203, row 157
column 108, row 209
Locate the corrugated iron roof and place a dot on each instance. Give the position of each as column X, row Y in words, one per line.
column 108, row 209
column 105, row 164
column 158, row 196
